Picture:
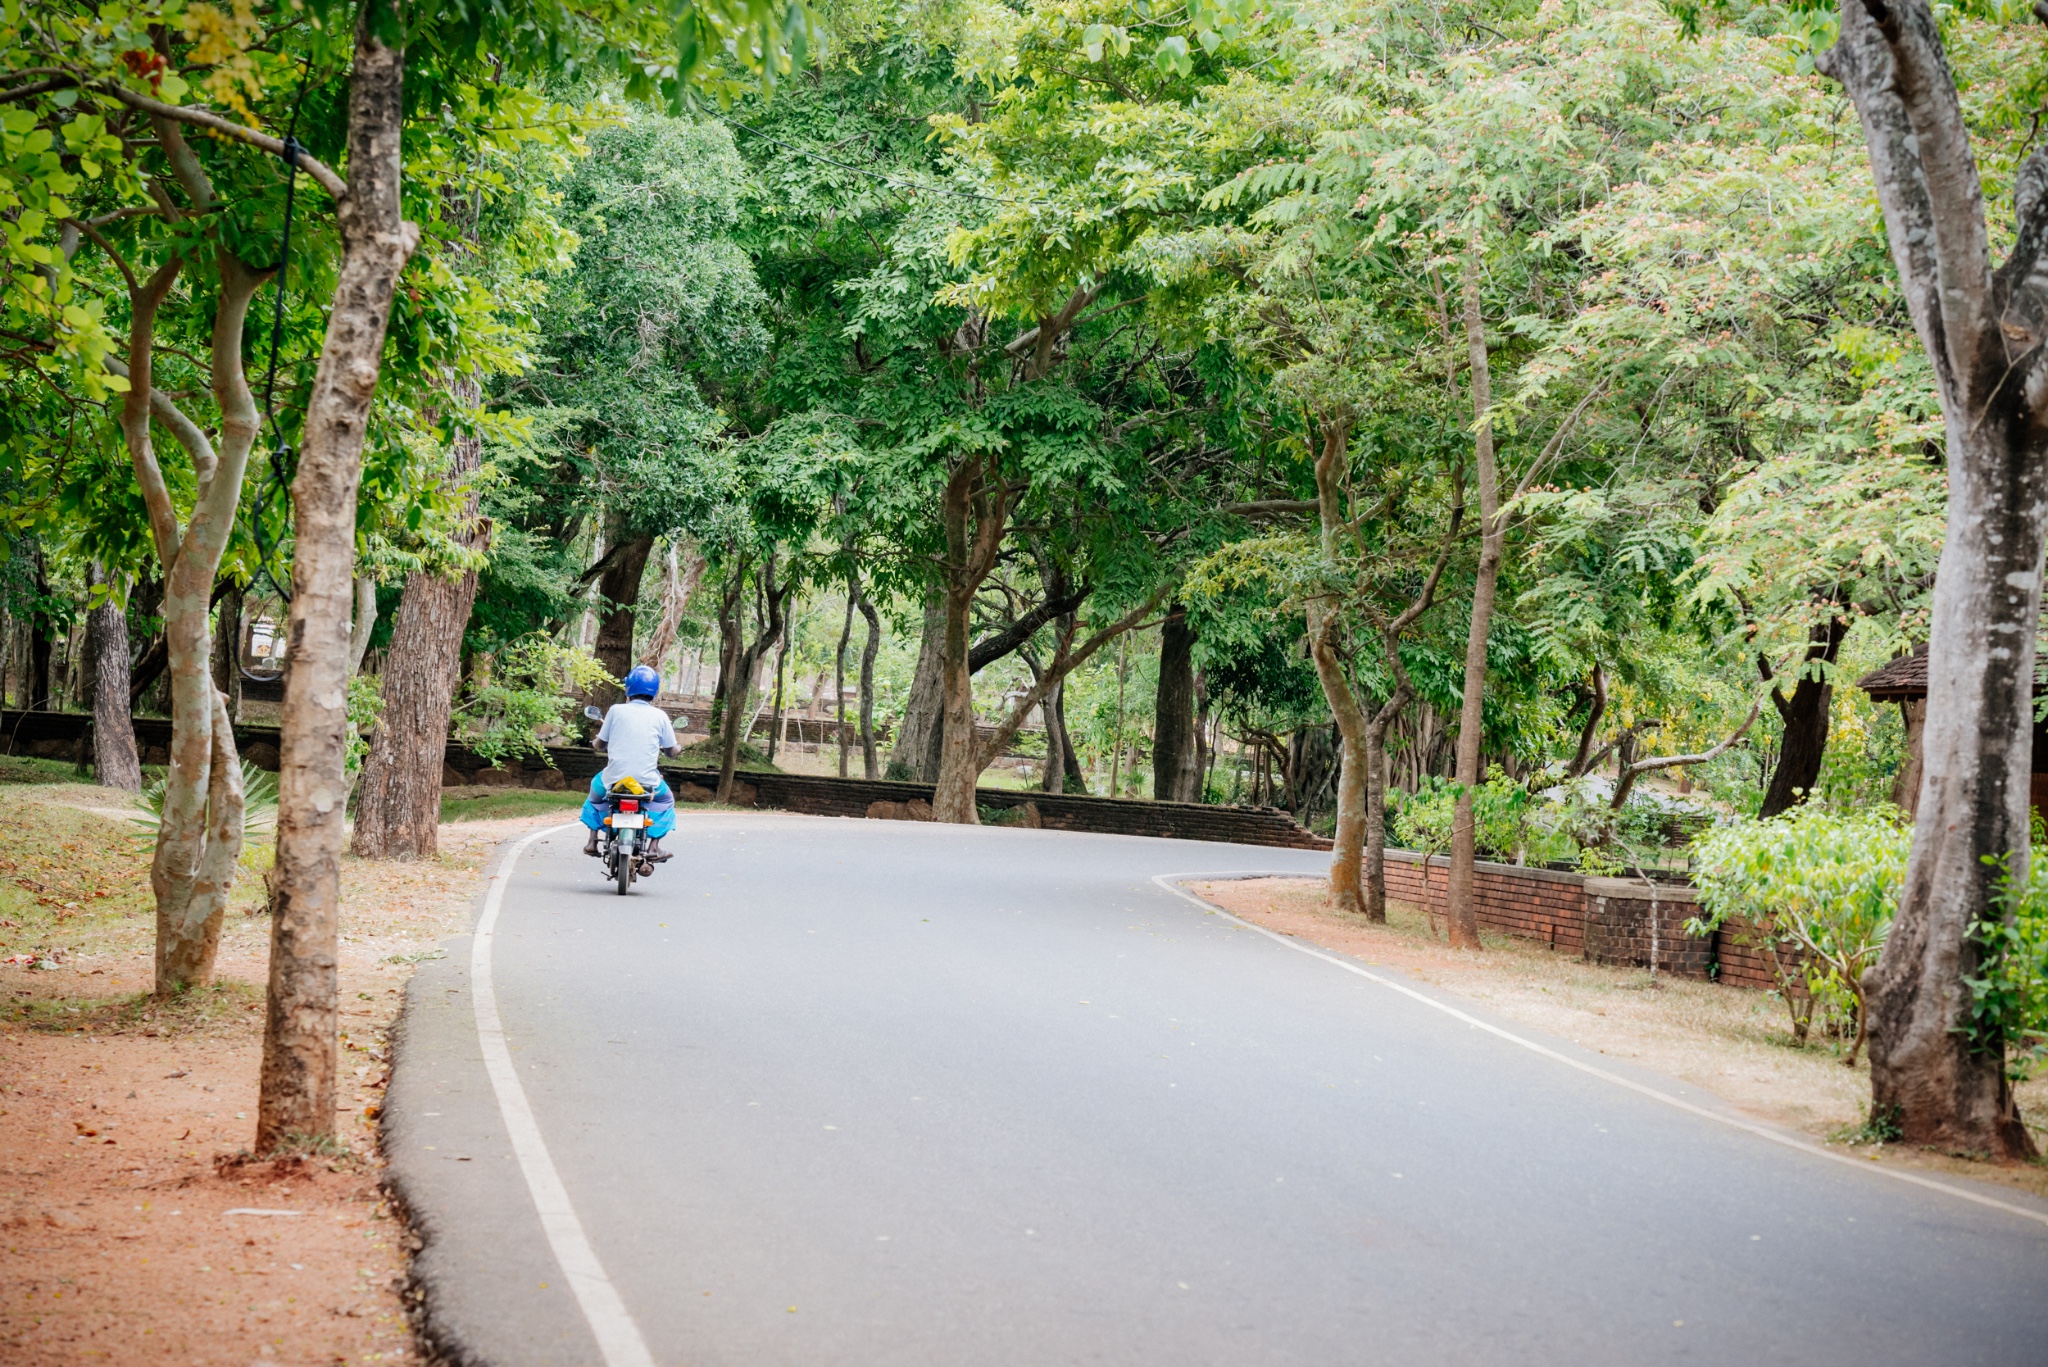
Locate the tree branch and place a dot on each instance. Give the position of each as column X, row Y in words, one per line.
column 1630, row 773
column 988, row 650
column 333, row 184
column 1061, row 666
column 1270, row 507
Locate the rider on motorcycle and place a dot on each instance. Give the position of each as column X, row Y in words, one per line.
column 633, row 738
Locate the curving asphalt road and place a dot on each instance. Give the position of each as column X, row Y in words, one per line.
column 852, row 1093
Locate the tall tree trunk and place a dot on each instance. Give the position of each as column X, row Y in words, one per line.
column 870, row 768
column 296, row 1101
column 915, row 757
column 1906, row 784
column 227, row 646
column 42, row 630
column 113, row 729
column 775, row 713
column 1461, row 913
column 738, row 720
column 1076, row 777
column 398, row 803
column 1805, row 718
column 680, row 577
column 1347, row 851
column 619, row 587
column 1936, row 1074
column 732, row 599
column 1375, row 879
column 1052, row 780
column 362, row 622
column 839, row 668
column 1176, row 753
column 975, row 509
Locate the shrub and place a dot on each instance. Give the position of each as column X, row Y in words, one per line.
column 2009, row 995
column 518, row 704
column 1825, row 881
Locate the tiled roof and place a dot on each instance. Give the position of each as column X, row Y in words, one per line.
column 1906, row 677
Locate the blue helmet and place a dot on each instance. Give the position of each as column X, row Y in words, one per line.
column 642, row 682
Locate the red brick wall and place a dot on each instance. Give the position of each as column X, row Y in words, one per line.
column 1534, row 903
column 1566, row 910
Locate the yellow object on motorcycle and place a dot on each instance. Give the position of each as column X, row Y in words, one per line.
column 628, row 784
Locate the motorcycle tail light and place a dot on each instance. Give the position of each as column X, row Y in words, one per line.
column 629, row 806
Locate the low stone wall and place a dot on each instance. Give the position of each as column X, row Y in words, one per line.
column 1621, row 921
column 56, row 735
column 821, row 795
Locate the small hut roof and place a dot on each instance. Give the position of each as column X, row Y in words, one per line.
column 1906, row 678
column 1902, row 679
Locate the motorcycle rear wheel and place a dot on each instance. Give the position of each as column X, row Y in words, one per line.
column 622, row 862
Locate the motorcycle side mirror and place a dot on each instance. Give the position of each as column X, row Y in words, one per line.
column 592, row 713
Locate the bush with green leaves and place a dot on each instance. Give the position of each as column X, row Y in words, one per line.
column 2009, row 994
column 1823, row 881
column 519, row 700
column 1511, row 824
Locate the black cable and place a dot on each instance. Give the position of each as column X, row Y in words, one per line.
column 278, row 481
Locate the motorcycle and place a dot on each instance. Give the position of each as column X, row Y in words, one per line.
column 621, row 834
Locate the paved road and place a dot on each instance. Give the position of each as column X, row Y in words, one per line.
column 851, row 1093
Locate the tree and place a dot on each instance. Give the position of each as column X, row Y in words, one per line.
column 1937, row 1080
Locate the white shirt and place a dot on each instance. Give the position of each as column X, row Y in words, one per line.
column 635, row 733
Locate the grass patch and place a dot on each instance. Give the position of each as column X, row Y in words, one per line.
column 69, row 879
column 490, row 804
column 198, row 1010
column 23, row 769
column 709, row 754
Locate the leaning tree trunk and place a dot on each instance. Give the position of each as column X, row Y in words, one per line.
column 620, row 589
column 113, row 728
column 1347, row 850
column 1176, row 757
column 1937, row 1075
column 398, row 802
column 1804, row 716
column 1461, row 910
column 296, row 1103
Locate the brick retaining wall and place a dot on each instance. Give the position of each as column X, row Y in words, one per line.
column 1603, row 920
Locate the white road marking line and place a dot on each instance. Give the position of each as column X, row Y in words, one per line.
column 618, row 1338
column 1171, row 882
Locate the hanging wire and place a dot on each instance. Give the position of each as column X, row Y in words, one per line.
column 276, row 486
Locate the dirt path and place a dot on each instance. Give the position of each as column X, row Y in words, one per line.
column 1733, row 1043
column 127, row 1231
